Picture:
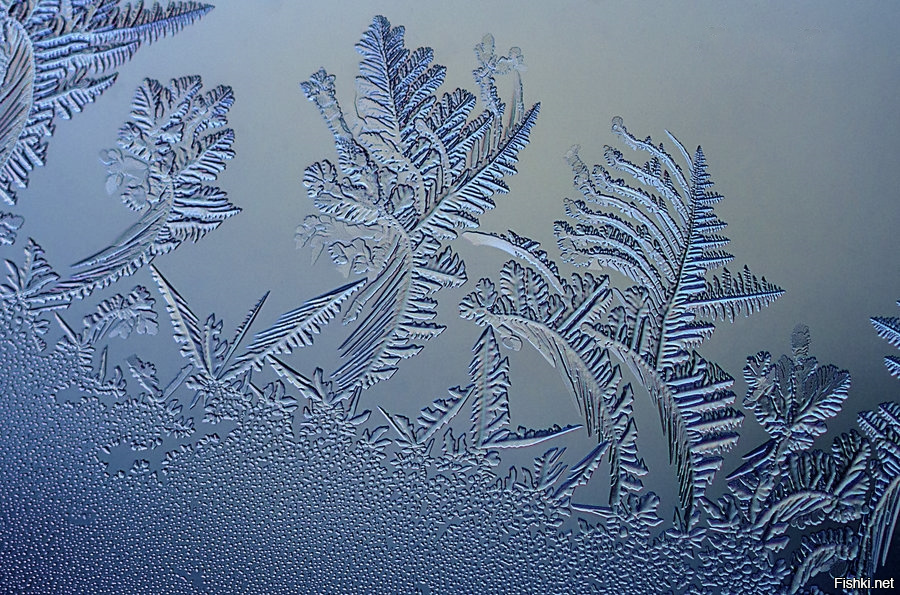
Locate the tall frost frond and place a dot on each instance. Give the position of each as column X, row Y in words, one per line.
column 412, row 170
column 296, row 328
column 663, row 234
column 16, row 88
column 490, row 377
column 882, row 427
column 186, row 326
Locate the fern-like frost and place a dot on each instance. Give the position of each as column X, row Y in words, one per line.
column 413, row 171
column 663, row 234
column 55, row 62
column 174, row 144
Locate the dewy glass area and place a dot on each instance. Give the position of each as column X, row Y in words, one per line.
column 406, row 297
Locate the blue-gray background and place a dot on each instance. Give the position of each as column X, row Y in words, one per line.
column 795, row 105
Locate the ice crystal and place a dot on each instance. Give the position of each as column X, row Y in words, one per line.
column 55, row 59
column 663, row 235
column 174, row 144
column 417, row 169
column 59, row 57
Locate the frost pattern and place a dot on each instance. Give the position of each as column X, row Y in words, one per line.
column 174, row 144
column 882, row 427
column 60, row 56
column 124, row 476
column 56, row 58
column 663, row 234
column 412, row 172
column 889, row 328
column 664, row 238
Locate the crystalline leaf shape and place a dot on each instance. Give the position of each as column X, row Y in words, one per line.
column 413, row 171
column 176, row 141
column 888, row 328
column 663, row 234
column 57, row 61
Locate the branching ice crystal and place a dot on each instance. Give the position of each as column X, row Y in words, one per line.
column 664, row 238
column 412, row 172
column 174, row 144
column 57, row 57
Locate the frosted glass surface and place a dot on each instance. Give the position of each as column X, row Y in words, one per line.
column 410, row 298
